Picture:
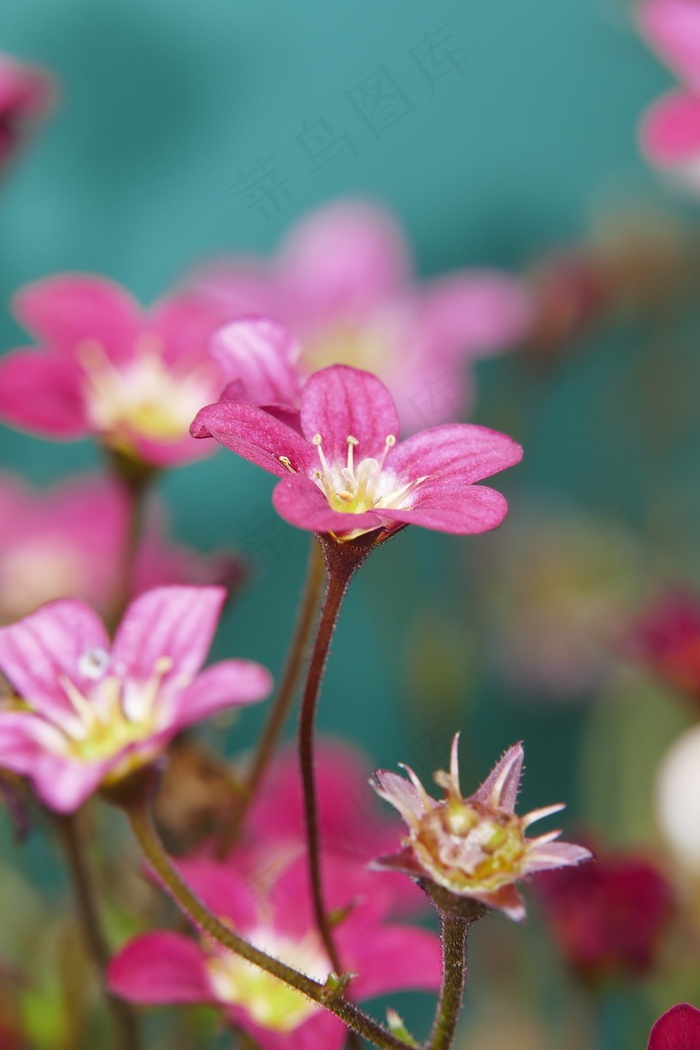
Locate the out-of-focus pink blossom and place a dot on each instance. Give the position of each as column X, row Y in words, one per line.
column 670, row 132
column 667, row 638
column 167, row 967
column 342, row 283
column 346, row 474
column 677, row 1029
column 69, row 541
column 26, row 94
column 106, row 368
column 86, row 712
column 608, row 918
column 473, row 847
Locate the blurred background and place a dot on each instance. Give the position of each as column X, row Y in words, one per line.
column 184, row 132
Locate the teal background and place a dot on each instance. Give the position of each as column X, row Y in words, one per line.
column 163, row 103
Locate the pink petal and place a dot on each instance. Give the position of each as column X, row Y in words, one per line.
column 672, row 28
column 260, row 358
column 500, row 789
column 404, row 861
column 670, row 132
column 41, row 393
column 70, row 309
column 341, row 402
column 183, row 324
column 321, row 1032
column 507, row 900
column 36, row 652
column 462, row 513
column 555, row 855
column 301, row 503
column 254, row 434
column 222, row 888
column 677, row 1029
column 24, row 739
column 459, row 452
column 393, row 958
column 64, row 784
column 160, row 968
column 175, row 622
column 164, row 454
column 230, row 683
column 25, row 91
column 401, row 793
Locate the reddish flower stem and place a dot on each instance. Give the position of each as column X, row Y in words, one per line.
column 125, row 1025
column 282, row 704
column 136, row 480
column 453, row 936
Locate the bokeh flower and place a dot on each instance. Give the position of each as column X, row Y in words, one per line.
column 26, row 94
column 667, row 638
column 85, row 713
column 346, row 473
column 104, row 367
column 677, row 1029
column 677, row 800
column 473, row 847
column 342, row 284
column 164, row 967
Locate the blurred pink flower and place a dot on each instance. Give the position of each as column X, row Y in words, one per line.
column 608, row 918
column 347, row 475
column 667, row 638
column 26, row 95
column 342, row 283
column 86, row 712
column 165, row 967
column 473, row 847
column 670, row 132
column 134, row 380
column 677, row 1029
column 69, row 542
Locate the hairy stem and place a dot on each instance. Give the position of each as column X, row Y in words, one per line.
column 283, row 701
column 136, row 480
column 453, row 934
column 328, row 996
column 125, row 1026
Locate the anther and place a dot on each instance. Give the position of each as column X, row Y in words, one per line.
column 390, row 441
column 317, row 439
column 93, row 663
column 284, row 460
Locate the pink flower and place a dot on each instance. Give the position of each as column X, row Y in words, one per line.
column 87, row 713
column 671, row 129
column 608, row 918
column 26, row 94
column 167, row 967
column 69, row 541
column 346, row 474
column 668, row 639
column 104, row 367
column 677, row 1029
column 342, row 284
column 473, row 847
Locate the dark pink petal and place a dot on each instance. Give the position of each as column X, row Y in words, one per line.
column 555, row 855
column 404, row 861
column 301, row 503
column 677, row 1029
column 226, row 684
column 500, row 789
column 47, row 646
column 507, row 900
column 183, row 325
column 222, row 888
column 170, row 453
column 174, row 622
column 71, row 309
column 160, row 968
column 393, row 958
column 462, row 513
column 461, row 452
column 260, row 359
column 672, row 28
column 321, row 1032
column 41, row 392
column 254, row 434
column 670, row 132
column 341, row 402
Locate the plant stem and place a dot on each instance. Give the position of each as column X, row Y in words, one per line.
column 453, row 935
column 136, row 480
column 328, row 997
column 283, row 701
column 125, row 1025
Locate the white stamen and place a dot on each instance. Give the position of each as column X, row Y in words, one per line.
column 93, row 663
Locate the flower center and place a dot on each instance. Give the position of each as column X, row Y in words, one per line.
column 353, row 488
column 269, row 1002
column 469, row 847
column 367, row 347
column 143, row 397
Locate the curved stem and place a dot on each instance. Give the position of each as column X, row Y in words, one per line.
column 125, row 1024
column 329, row 996
column 283, row 701
column 453, row 934
column 136, row 480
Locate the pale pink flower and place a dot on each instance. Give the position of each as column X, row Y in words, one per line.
column 26, row 95
column 347, row 474
column 85, row 712
column 162, row 967
column 342, row 284
column 106, row 368
column 473, row 847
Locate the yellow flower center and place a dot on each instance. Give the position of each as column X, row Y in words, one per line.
column 365, row 347
column 269, row 1002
